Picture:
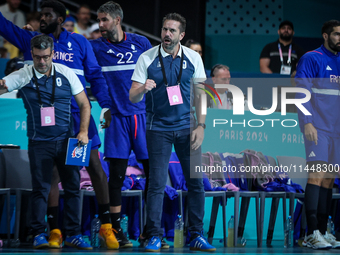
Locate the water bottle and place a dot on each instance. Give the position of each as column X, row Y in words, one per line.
column 95, row 226
column 330, row 226
column 230, row 241
column 124, row 223
column 179, row 226
column 289, row 232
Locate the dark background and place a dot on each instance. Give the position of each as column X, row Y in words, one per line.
column 145, row 15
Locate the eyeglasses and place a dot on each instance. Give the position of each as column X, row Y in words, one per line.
column 45, row 58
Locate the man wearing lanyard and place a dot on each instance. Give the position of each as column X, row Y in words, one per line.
column 281, row 56
column 164, row 74
column 46, row 89
column 74, row 51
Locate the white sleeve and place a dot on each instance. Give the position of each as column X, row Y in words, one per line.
column 199, row 69
column 18, row 79
column 140, row 73
column 76, row 85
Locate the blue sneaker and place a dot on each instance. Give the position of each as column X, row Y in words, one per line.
column 154, row 244
column 40, row 241
column 77, row 242
column 201, row 244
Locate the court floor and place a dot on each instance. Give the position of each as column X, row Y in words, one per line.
column 250, row 249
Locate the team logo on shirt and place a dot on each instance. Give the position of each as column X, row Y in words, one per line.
column 59, row 83
column 77, row 152
column 184, row 64
column 133, row 47
column 69, row 45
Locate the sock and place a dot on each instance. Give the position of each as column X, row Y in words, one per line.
column 329, row 201
column 52, row 216
column 104, row 213
column 311, row 205
column 115, row 220
column 322, row 210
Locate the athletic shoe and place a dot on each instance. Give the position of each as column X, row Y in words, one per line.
column 77, row 242
column 332, row 240
column 201, row 244
column 164, row 245
column 154, row 244
column 122, row 239
column 40, row 241
column 55, row 240
column 107, row 238
column 316, row 241
column 143, row 241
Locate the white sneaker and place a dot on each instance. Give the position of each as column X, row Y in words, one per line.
column 332, row 240
column 316, row 241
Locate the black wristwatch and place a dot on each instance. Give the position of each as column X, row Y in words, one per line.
column 202, row 125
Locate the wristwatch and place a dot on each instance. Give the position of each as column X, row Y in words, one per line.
column 202, row 125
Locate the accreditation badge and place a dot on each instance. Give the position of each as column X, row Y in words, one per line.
column 47, row 116
column 174, row 95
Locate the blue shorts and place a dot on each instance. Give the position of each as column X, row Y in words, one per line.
column 126, row 134
column 93, row 132
column 328, row 149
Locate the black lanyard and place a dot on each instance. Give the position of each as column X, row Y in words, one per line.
column 163, row 69
column 38, row 91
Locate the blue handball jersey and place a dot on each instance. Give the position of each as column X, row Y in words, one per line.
column 71, row 49
column 118, row 61
column 319, row 72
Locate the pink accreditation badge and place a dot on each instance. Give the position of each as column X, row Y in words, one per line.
column 47, row 116
column 174, row 95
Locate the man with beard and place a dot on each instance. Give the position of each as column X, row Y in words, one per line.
column 281, row 56
column 117, row 53
column 46, row 90
column 164, row 74
column 74, row 51
column 318, row 71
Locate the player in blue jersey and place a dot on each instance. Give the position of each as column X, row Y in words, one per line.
column 76, row 52
column 318, row 71
column 164, row 73
column 117, row 53
column 46, row 89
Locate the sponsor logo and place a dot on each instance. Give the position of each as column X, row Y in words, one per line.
column 312, row 154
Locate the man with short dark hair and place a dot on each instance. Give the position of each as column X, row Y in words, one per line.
column 164, row 75
column 117, row 53
column 74, row 51
column 46, row 90
column 281, row 56
column 318, row 72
